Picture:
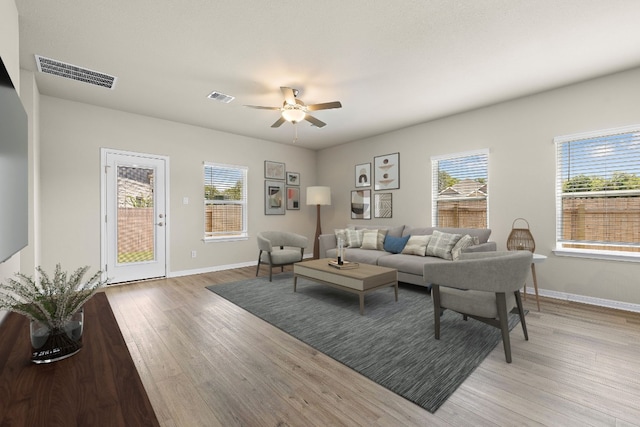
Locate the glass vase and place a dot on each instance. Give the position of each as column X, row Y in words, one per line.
column 50, row 345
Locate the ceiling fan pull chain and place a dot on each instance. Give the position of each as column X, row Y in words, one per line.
column 295, row 129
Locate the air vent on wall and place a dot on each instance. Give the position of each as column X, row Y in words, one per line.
column 73, row 72
column 221, row 97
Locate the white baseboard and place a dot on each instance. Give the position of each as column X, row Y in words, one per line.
column 601, row 302
column 218, row 268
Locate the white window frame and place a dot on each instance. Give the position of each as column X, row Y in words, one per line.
column 435, row 160
column 593, row 247
column 242, row 234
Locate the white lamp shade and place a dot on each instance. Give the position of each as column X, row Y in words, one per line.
column 318, row 195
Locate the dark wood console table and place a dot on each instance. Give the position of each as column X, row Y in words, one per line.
column 99, row 386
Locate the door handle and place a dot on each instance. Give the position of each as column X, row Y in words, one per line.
column 160, row 224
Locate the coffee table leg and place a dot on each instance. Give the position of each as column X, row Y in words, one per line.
column 396, row 290
column 295, row 282
column 361, row 303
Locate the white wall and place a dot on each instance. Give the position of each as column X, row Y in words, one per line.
column 71, row 137
column 519, row 135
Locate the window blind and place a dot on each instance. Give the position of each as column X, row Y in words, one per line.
column 598, row 191
column 460, row 189
column 225, row 200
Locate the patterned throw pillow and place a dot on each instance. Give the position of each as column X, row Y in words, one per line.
column 373, row 239
column 464, row 242
column 441, row 244
column 417, row 245
column 341, row 233
column 395, row 245
column 354, row 238
column 370, row 239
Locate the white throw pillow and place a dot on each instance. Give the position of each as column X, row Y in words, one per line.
column 416, row 245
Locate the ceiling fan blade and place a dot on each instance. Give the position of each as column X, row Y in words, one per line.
column 263, row 108
column 278, row 122
column 314, row 121
column 288, row 94
column 324, row 106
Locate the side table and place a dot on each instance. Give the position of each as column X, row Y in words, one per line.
column 537, row 259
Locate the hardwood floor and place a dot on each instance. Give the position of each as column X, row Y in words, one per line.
column 207, row 362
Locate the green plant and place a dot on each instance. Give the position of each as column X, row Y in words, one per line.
column 51, row 301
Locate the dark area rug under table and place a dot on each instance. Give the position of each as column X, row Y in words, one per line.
column 392, row 343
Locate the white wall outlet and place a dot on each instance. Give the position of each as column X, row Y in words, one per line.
column 193, row 254
column 185, row 200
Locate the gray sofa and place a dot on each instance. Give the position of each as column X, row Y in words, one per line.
column 410, row 267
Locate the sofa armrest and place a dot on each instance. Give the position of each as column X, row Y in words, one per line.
column 327, row 241
column 482, row 247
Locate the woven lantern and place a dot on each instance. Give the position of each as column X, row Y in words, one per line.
column 520, row 239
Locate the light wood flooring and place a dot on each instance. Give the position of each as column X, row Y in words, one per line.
column 207, row 362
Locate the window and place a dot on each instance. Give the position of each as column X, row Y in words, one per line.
column 225, row 202
column 460, row 190
column 598, row 193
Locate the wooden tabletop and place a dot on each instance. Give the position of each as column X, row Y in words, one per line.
column 98, row 386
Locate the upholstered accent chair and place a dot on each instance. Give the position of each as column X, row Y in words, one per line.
column 484, row 286
column 280, row 248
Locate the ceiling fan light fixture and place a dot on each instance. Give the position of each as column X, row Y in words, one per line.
column 293, row 115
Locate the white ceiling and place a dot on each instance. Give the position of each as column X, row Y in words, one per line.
column 391, row 63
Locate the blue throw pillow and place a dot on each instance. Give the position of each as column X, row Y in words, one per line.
column 395, row 244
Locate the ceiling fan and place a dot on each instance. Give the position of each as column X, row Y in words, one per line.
column 294, row 110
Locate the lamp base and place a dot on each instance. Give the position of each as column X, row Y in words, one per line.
column 316, row 241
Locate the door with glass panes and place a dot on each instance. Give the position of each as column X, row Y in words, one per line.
column 135, row 218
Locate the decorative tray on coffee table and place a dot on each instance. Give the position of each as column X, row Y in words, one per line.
column 344, row 266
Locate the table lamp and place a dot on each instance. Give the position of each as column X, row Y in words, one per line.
column 318, row 196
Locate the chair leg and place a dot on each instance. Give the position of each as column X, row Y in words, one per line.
column 437, row 312
column 521, row 313
column 258, row 268
column 501, row 301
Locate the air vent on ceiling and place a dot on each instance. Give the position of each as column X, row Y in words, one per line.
column 73, row 72
column 221, row 97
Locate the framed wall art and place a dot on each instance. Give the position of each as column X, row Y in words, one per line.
column 361, row 204
column 293, row 178
column 363, row 175
column 387, row 172
column 273, row 170
column 274, row 197
column 293, row 198
column 382, row 205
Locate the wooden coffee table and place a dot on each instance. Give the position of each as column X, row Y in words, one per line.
column 362, row 280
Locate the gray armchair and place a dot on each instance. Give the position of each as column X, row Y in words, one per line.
column 280, row 248
column 484, row 286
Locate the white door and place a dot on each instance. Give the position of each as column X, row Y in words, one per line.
column 135, row 217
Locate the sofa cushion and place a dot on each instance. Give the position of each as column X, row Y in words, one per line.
column 417, row 231
column 363, row 256
column 417, row 245
column 409, row 264
column 395, row 245
column 464, row 242
column 441, row 244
